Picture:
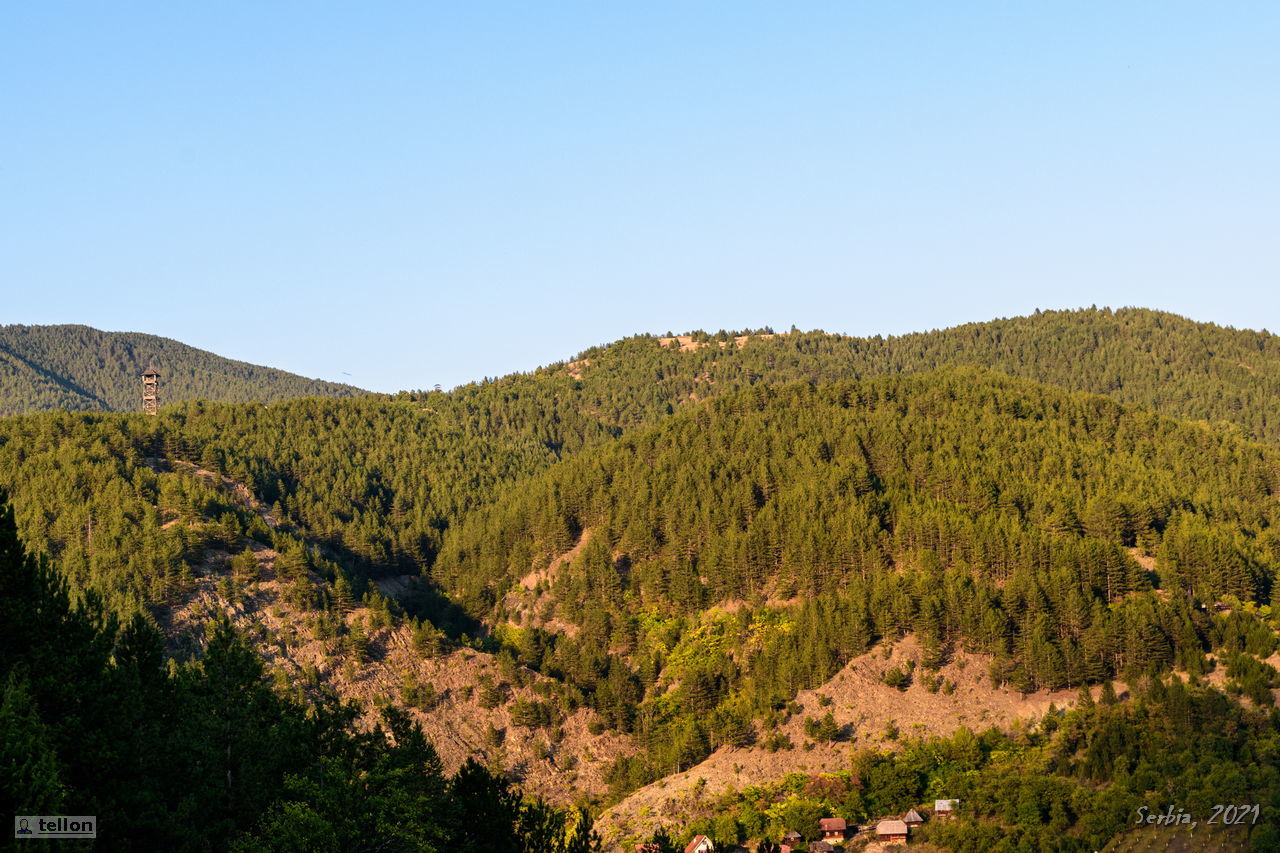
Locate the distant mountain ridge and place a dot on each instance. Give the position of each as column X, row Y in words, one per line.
column 81, row 368
column 1165, row 362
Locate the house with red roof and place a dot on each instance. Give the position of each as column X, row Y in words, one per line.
column 832, row 829
column 700, row 844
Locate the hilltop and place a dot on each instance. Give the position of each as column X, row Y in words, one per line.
column 1162, row 361
column 80, row 368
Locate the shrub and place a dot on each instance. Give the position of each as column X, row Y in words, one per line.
column 896, row 678
column 824, row 729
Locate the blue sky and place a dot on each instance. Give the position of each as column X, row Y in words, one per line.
column 399, row 195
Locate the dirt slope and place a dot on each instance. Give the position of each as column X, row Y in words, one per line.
column 863, row 704
column 562, row 763
column 560, row 766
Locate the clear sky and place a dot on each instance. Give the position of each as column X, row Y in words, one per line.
column 398, row 195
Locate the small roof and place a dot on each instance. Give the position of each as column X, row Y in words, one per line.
column 820, row 847
column 792, row 834
column 913, row 816
column 832, row 824
column 150, row 371
column 944, row 805
column 696, row 844
column 891, row 827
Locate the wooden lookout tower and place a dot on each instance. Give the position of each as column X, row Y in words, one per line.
column 150, row 387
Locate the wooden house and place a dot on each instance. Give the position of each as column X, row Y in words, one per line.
column 832, row 829
column 944, row 808
column 889, row 831
column 913, row 819
column 791, row 842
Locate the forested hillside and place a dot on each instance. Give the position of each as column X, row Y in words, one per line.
column 680, row 534
column 1067, row 782
column 969, row 508
column 79, row 368
column 1179, row 367
column 1176, row 366
column 794, row 489
column 383, row 478
column 207, row 756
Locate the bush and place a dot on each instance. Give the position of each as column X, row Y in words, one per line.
column 417, row 695
column 824, row 729
column 531, row 714
column 1253, row 678
column 896, row 678
column 777, row 741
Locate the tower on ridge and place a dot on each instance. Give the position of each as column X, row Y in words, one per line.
column 150, row 387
